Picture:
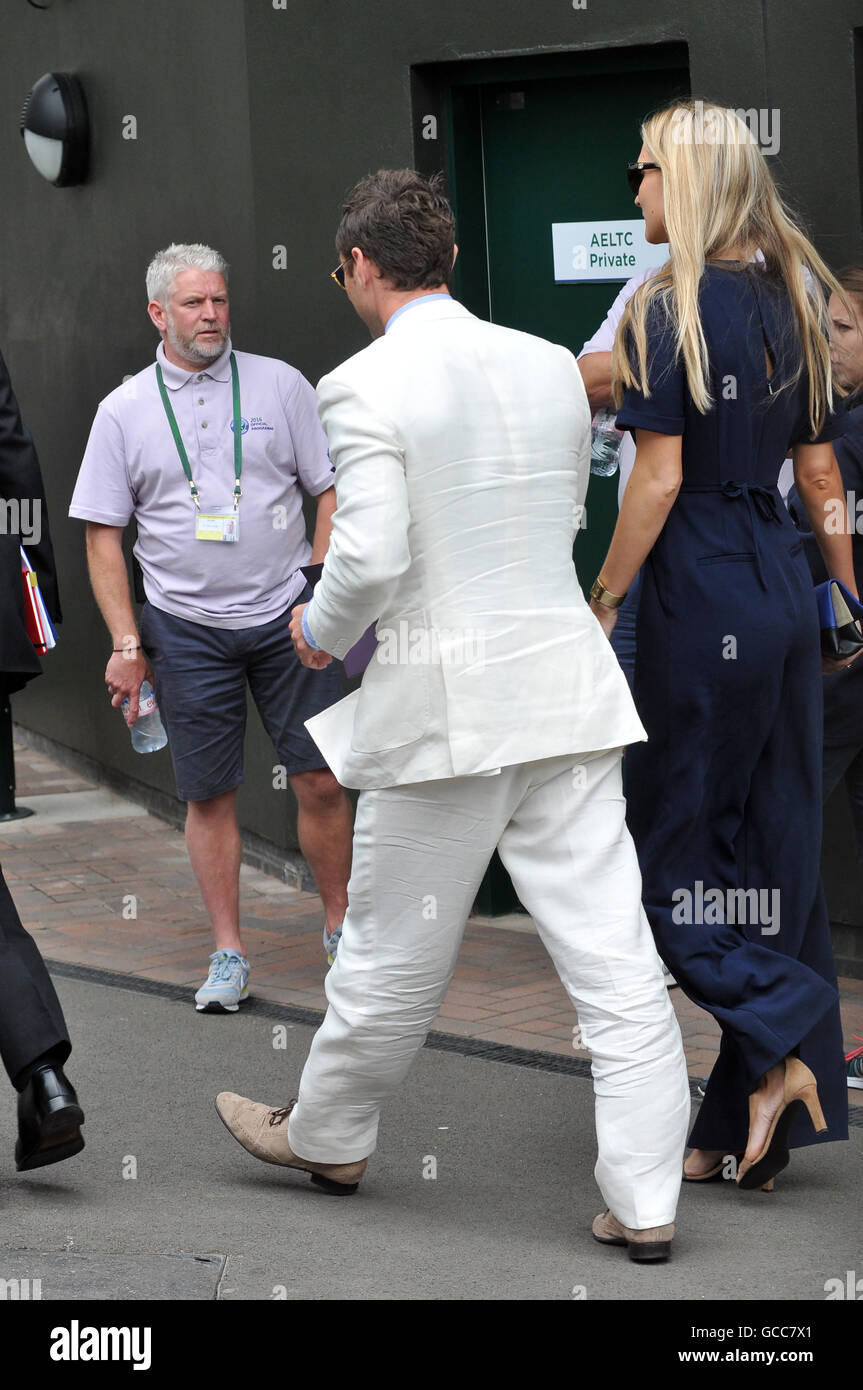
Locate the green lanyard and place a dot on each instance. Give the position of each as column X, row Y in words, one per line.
column 178, row 438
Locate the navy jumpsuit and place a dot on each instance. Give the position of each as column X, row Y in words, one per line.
column 726, row 793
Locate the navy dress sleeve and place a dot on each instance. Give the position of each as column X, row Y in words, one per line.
column 835, row 421
column 848, row 448
column 664, row 410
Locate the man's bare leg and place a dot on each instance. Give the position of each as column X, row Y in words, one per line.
column 325, row 828
column 213, row 842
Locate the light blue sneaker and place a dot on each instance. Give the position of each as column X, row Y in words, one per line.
column 226, row 985
column 331, row 943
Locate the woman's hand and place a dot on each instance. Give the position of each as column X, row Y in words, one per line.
column 605, row 616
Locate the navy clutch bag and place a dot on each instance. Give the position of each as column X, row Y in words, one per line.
column 838, row 611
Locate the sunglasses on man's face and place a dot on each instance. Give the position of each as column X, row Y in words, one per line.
column 635, row 173
column 339, row 274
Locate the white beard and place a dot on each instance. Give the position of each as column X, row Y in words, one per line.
column 190, row 348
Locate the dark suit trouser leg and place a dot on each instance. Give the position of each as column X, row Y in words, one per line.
column 31, row 1019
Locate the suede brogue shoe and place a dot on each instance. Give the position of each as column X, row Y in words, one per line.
column 645, row 1246
column 263, row 1132
column 49, row 1120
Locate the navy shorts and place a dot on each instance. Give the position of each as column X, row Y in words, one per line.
column 201, row 675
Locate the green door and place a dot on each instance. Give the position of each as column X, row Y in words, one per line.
column 528, row 151
column 531, row 143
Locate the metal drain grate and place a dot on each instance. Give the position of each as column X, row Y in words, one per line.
column 437, row 1042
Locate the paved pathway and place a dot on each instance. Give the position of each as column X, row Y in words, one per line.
column 100, row 882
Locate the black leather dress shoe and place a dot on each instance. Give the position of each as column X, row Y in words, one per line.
column 49, row 1120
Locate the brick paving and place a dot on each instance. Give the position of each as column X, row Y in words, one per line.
column 120, row 895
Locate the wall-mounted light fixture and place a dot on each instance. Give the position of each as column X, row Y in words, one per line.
column 56, row 129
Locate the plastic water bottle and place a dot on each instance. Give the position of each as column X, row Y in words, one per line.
column 605, row 442
column 148, row 731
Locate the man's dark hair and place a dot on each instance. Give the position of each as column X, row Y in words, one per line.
column 404, row 224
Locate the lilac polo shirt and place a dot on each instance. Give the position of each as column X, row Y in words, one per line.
column 131, row 468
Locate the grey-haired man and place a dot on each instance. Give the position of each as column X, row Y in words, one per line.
column 209, row 449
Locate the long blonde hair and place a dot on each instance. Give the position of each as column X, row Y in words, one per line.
column 718, row 193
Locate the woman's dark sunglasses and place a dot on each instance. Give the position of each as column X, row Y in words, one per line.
column 635, row 173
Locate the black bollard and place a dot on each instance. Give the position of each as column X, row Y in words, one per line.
column 8, row 809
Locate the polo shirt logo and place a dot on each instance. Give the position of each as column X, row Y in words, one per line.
column 244, row 425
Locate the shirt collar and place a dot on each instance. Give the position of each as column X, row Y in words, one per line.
column 175, row 377
column 411, row 304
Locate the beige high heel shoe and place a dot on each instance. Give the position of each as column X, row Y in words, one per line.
column 718, row 1171
column 800, row 1089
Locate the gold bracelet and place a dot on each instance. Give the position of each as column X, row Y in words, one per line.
column 605, row 596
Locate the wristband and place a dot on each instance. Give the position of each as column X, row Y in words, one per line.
column 139, row 648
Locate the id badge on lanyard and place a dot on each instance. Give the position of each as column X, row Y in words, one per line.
column 218, row 524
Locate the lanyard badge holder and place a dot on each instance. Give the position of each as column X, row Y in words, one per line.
column 217, row 523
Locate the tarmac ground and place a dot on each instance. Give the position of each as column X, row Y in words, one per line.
column 481, row 1187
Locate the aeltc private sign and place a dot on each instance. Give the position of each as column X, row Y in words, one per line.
column 622, row 260
column 613, row 250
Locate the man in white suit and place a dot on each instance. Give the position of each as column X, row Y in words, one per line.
column 493, row 715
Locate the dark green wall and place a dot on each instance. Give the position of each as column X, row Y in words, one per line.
column 252, row 123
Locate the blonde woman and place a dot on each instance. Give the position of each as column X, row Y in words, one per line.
column 721, row 365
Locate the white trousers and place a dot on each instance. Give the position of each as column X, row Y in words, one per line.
column 420, row 852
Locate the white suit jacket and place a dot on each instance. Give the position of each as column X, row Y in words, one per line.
column 461, row 453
